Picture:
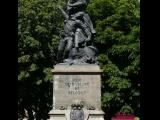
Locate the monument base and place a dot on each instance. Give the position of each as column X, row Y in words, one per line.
column 72, row 82
column 62, row 115
column 76, row 92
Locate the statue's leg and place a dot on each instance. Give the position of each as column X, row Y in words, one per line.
column 61, row 50
column 79, row 39
column 68, row 47
column 76, row 39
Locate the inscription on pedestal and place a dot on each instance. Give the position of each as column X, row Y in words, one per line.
column 82, row 86
column 76, row 87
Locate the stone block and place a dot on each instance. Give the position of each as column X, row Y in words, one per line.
column 71, row 82
column 62, row 115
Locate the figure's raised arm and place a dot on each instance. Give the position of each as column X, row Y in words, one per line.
column 79, row 2
column 63, row 12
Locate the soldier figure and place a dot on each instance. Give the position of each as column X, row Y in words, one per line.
column 77, row 34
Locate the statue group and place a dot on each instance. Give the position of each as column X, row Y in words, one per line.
column 76, row 40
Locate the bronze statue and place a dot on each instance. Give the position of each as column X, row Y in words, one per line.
column 76, row 40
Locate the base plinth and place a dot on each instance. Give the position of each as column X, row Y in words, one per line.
column 62, row 115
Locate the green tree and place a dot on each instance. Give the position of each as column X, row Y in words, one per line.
column 117, row 26
column 39, row 23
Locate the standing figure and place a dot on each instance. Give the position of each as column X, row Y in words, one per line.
column 76, row 41
column 69, row 38
column 89, row 31
column 80, row 6
column 66, row 40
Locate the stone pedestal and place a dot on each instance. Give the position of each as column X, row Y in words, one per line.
column 76, row 82
column 62, row 115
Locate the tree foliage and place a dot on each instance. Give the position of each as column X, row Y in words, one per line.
column 38, row 28
column 117, row 39
column 117, row 26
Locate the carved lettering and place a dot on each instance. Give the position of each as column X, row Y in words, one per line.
column 76, row 87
